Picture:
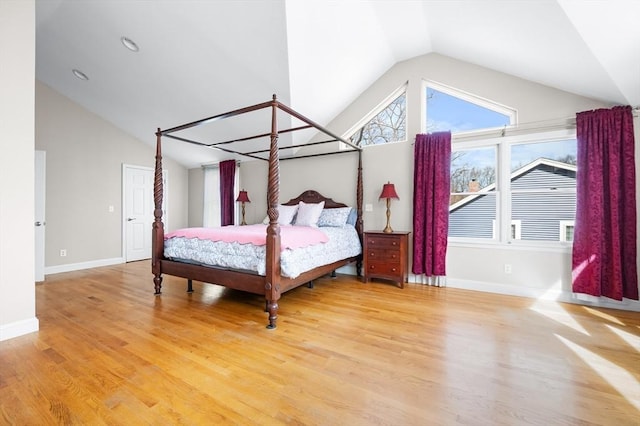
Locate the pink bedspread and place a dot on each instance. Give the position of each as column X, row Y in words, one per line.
column 291, row 237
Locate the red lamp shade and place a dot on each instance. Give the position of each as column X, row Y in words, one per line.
column 389, row 191
column 243, row 197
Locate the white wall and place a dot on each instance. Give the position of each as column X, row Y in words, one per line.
column 536, row 273
column 334, row 177
column 196, row 197
column 17, row 74
column 85, row 155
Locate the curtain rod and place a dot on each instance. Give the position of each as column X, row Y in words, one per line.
column 536, row 126
column 216, row 165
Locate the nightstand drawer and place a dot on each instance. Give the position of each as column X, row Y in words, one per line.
column 387, row 269
column 381, row 254
column 384, row 242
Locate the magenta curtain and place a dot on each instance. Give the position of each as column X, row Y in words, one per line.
column 604, row 246
column 227, row 184
column 431, row 188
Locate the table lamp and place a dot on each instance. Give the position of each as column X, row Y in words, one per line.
column 388, row 192
column 243, row 197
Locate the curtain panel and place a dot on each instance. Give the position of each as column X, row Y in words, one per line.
column 227, row 186
column 604, row 247
column 431, row 190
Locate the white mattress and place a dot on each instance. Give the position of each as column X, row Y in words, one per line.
column 343, row 243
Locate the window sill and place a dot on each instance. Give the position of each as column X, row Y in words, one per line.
column 541, row 246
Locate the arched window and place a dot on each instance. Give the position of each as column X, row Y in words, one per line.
column 384, row 124
column 457, row 111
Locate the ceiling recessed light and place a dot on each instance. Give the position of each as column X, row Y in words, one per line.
column 80, row 74
column 129, row 44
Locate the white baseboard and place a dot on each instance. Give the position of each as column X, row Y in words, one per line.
column 19, row 328
column 511, row 290
column 542, row 294
column 83, row 265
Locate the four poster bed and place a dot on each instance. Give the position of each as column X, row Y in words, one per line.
column 276, row 269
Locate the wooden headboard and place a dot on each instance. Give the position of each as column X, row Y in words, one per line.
column 313, row 197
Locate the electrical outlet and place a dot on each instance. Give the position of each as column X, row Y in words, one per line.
column 63, row 253
column 368, row 207
column 507, row 268
column 111, row 209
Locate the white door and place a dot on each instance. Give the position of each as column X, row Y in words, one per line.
column 137, row 212
column 39, row 216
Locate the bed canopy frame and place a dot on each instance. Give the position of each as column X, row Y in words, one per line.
column 272, row 284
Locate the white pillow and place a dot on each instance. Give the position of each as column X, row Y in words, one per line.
column 285, row 215
column 308, row 214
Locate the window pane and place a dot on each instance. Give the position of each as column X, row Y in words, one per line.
column 473, row 169
column 387, row 126
column 211, row 207
column 516, row 229
column 472, row 205
column 473, row 217
column 543, row 183
column 447, row 112
column 526, row 155
column 568, row 233
column 540, row 213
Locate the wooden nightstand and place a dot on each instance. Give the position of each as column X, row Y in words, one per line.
column 385, row 256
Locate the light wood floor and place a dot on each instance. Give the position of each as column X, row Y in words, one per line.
column 344, row 353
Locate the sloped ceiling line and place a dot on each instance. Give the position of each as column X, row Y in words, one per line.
column 317, row 55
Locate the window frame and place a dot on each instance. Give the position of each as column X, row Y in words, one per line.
column 564, row 224
column 516, row 228
column 512, row 113
column 502, row 235
column 377, row 110
column 211, row 204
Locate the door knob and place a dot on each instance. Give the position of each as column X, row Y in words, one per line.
column 38, row 223
column 129, row 219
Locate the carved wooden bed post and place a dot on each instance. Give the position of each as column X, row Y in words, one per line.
column 272, row 282
column 157, row 242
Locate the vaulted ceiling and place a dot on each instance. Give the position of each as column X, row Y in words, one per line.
column 200, row 58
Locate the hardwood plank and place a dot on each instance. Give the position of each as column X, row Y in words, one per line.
column 110, row 352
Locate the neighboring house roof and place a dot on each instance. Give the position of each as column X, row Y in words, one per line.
column 514, row 175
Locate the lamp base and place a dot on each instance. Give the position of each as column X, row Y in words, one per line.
column 387, row 229
column 243, row 221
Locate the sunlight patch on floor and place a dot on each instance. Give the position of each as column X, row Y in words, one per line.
column 632, row 340
column 619, row 378
column 603, row 315
column 556, row 312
